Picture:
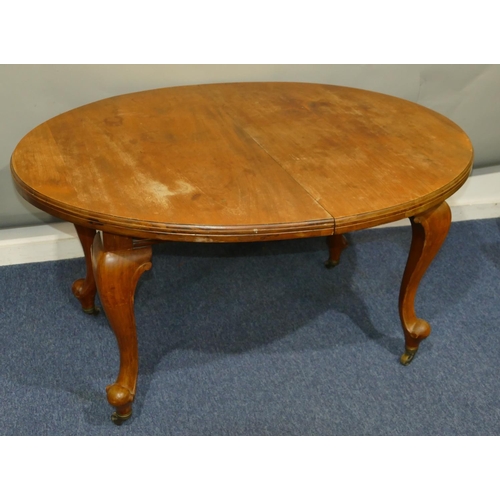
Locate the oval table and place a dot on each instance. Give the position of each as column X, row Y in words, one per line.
column 238, row 162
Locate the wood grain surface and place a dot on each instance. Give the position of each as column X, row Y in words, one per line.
column 242, row 162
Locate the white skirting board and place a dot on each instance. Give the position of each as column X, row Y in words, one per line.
column 479, row 198
column 39, row 244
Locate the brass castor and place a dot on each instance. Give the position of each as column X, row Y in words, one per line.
column 331, row 263
column 119, row 419
column 91, row 310
column 408, row 355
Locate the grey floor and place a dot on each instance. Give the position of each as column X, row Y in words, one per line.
column 260, row 339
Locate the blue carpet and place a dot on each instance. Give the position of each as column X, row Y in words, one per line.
column 261, row 339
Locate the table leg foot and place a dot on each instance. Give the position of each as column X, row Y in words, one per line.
column 119, row 419
column 117, row 268
column 336, row 243
column 85, row 289
column 121, row 398
column 429, row 231
column 407, row 357
column 93, row 310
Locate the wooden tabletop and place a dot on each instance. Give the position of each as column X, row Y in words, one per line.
column 242, row 162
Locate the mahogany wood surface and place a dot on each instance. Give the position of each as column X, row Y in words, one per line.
column 238, row 162
column 117, row 267
column 242, row 162
column 85, row 289
column 336, row 244
column 429, row 231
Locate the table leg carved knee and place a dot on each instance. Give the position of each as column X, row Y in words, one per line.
column 85, row 289
column 117, row 267
column 429, row 231
column 336, row 243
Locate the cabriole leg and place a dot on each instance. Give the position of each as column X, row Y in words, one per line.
column 85, row 289
column 429, row 231
column 117, row 268
column 336, row 243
